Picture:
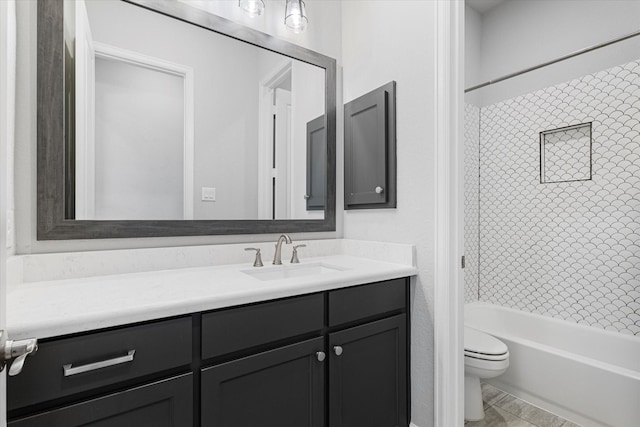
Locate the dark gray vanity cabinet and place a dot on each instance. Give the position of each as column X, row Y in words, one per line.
column 337, row 358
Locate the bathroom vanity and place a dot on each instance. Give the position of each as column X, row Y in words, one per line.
column 235, row 349
column 339, row 355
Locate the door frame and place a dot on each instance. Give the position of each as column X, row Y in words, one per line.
column 266, row 89
column 449, row 209
column 84, row 144
column 85, row 164
column 7, row 125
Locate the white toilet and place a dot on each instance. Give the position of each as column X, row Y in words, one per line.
column 484, row 357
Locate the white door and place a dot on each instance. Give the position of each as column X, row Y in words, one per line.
column 282, row 152
column 7, row 73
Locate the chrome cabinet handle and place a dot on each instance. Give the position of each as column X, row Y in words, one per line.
column 307, row 197
column 379, row 190
column 337, row 350
column 321, row 356
column 70, row 370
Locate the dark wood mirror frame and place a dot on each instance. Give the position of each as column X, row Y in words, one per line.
column 52, row 224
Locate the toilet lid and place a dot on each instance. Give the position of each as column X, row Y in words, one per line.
column 480, row 343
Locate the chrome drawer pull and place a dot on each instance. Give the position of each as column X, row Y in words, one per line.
column 69, row 370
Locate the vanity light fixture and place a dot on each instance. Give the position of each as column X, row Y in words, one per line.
column 295, row 16
column 252, row 8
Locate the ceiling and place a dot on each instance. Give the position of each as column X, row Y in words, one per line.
column 483, row 6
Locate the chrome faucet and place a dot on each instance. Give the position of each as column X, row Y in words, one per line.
column 277, row 257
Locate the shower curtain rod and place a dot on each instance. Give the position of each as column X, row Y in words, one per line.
column 562, row 58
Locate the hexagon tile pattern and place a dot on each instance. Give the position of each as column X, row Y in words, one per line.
column 471, row 202
column 568, row 250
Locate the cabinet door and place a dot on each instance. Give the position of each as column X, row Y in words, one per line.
column 369, row 150
column 316, row 164
column 278, row 388
column 164, row 403
column 368, row 375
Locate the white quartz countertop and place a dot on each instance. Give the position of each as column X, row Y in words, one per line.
column 51, row 308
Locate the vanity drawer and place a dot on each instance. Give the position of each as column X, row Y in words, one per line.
column 359, row 302
column 164, row 403
column 234, row 329
column 67, row 366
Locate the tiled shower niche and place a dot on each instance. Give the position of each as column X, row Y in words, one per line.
column 568, row 249
column 565, row 154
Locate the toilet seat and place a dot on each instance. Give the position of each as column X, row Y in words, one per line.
column 482, row 346
column 480, row 356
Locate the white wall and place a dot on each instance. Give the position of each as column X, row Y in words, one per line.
column 519, row 34
column 472, row 46
column 323, row 14
column 395, row 40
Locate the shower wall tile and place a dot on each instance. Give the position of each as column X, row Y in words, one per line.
column 471, row 202
column 569, row 250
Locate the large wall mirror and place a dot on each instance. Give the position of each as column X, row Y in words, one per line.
column 157, row 118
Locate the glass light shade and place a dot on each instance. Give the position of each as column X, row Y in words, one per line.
column 252, row 7
column 295, row 16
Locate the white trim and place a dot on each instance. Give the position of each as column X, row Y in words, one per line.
column 7, row 119
column 266, row 88
column 106, row 51
column 85, row 182
column 448, row 301
column 282, row 171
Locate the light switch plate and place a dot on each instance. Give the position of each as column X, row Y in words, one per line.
column 208, row 194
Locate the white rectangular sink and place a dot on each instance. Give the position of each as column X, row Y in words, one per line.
column 289, row 271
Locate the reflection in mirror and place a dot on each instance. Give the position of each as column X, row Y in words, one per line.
column 169, row 121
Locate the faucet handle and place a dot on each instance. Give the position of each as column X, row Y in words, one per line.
column 294, row 256
column 258, row 261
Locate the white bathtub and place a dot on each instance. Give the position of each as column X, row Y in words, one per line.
column 587, row 375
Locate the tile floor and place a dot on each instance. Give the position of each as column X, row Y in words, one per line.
column 504, row 410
